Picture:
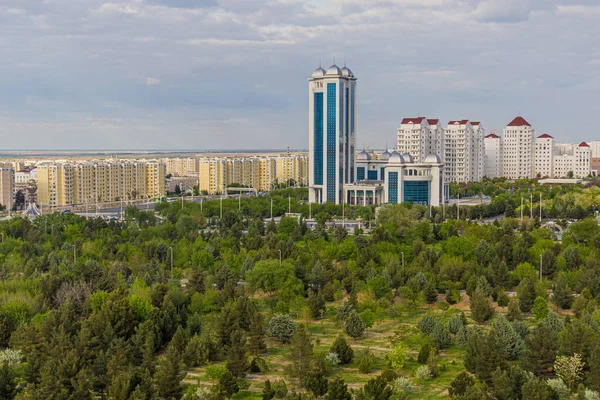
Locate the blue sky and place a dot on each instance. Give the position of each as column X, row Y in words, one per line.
column 177, row 74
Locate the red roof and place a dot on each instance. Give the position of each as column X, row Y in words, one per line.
column 584, row 144
column 519, row 121
column 545, row 136
column 433, row 121
column 417, row 120
column 492, row 136
column 461, row 122
column 475, row 123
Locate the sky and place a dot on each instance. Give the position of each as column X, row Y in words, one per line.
column 232, row 74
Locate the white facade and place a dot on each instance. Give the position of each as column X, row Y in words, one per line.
column 519, row 142
column 573, row 161
column 545, row 152
column 464, row 151
column 595, row 148
column 437, row 143
column 414, row 138
column 331, row 133
column 493, row 156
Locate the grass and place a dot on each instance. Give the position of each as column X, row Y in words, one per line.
column 377, row 339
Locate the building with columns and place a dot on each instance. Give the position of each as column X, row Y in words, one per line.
column 332, row 133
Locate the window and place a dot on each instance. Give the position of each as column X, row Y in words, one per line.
column 372, row 175
column 360, row 173
column 318, row 132
column 331, row 141
column 393, row 187
column 416, row 192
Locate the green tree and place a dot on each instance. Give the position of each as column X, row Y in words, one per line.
column 316, row 303
column 569, row 369
column 377, row 389
column 540, row 308
column 354, row 325
column 542, row 346
column 397, row 357
column 460, row 384
column 281, row 327
column 526, row 294
column 536, row 389
column 302, row 351
column 430, row 293
column 337, row 389
column 227, row 386
column 169, row 375
column 341, row 347
column 514, row 310
column 268, row 393
column 256, row 335
column 237, row 359
column 314, row 380
column 481, row 309
column 562, row 295
column 508, row 339
column 8, row 383
column 366, row 362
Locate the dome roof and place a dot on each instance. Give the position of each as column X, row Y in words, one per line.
column 385, row 156
column 407, row 158
column 333, row 70
column 433, row 159
column 395, row 158
column 319, row 73
column 363, row 156
column 346, row 72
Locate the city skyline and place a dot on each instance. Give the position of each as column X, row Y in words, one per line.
column 230, row 74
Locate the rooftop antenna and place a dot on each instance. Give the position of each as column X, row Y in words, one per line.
column 320, row 63
column 334, row 59
column 344, row 61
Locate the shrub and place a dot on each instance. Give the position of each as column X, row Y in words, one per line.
column 402, row 387
column 559, row 387
column 455, row 323
column 440, row 335
column 354, row 325
column 424, row 353
column 258, row 365
column 215, row 372
column 281, row 328
column 341, row 347
column 333, row 358
column 423, row 373
column 280, row 389
column 366, row 362
column 388, row 375
column 427, row 324
column 397, row 357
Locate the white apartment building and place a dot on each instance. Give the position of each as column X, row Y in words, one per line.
column 493, row 156
column 7, row 185
column 414, row 138
column 181, row 166
column 574, row 161
column 24, row 176
column 545, row 152
column 595, row 148
column 519, row 144
column 464, row 151
column 437, row 138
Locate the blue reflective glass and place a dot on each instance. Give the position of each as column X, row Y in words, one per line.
column 360, row 173
column 318, row 139
column 416, row 192
column 331, row 141
column 372, row 175
column 393, row 187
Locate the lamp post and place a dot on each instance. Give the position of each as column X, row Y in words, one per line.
column 280, row 257
column 541, row 266
column 531, row 206
column 402, row 260
column 171, row 250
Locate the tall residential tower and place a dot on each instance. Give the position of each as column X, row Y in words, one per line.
column 332, row 133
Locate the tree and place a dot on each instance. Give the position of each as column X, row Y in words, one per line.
column 314, row 380
column 514, row 310
column 455, row 323
column 337, row 389
column 397, row 357
column 569, row 369
column 481, row 309
column 510, row 341
column 377, row 389
column 430, row 293
column 427, row 324
column 8, row 384
column 169, row 375
column 227, row 386
column 341, row 347
column 440, row 335
column 526, row 294
column 256, row 335
column 540, row 308
column 460, row 384
column 237, row 360
column 366, row 362
column 562, row 296
column 316, row 303
column 424, row 353
column 281, row 327
column 302, row 351
column 354, row 325
column 268, row 393
column 536, row 389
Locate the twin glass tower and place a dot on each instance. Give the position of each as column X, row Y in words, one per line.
column 331, row 133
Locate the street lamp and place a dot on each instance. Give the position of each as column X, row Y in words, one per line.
column 171, row 249
column 74, row 252
column 280, row 257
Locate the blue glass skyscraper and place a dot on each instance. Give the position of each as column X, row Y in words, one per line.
column 331, row 133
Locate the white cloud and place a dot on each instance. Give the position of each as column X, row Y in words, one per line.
column 152, row 81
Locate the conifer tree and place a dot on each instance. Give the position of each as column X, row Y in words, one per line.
column 268, row 393
column 354, row 325
column 514, row 310
column 302, row 351
column 337, row 389
column 316, row 303
column 169, row 375
column 481, row 309
column 237, row 360
column 8, row 383
column 341, row 347
column 256, row 335
column 526, row 293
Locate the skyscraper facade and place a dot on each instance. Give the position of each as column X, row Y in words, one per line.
column 332, row 133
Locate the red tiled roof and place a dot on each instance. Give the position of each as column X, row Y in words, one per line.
column 461, row 122
column 417, row 120
column 433, row 121
column 492, row 136
column 545, row 136
column 475, row 123
column 519, row 121
column 584, row 144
